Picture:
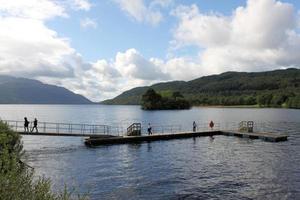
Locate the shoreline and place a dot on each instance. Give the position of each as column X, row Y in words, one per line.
column 211, row 106
column 233, row 106
column 196, row 106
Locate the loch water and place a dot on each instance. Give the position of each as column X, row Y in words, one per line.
column 195, row 168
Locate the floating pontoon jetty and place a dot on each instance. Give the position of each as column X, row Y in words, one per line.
column 107, row 135
column 94, row 141
column 134, row 135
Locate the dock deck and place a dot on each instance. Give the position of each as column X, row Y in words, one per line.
column 271, row 137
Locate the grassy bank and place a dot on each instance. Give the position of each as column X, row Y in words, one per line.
column 17, row 180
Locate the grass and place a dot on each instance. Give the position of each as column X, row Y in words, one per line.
column 17, row 180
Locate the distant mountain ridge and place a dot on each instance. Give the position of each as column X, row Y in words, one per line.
column 270, row 88
column 28, row 91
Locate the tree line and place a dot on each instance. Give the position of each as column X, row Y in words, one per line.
column 262, row 99
column 278, row 88
column 154, row 101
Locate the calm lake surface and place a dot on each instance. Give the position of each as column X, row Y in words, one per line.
column 199, row 168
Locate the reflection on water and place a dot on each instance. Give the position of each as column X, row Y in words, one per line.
column 196, row 168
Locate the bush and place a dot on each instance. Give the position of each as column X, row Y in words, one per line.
column 154, row 101
column 294, row 102
column 17, row 180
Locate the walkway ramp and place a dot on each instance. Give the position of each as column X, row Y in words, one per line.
column 65, row 129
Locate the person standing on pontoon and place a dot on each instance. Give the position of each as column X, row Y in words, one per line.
column 211, row 125
column 194, row 126
column 35, row 123
column 26, row 123
column 149, row 129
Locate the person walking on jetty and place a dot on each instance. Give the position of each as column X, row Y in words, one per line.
column 211, row 125
column 149, row 129
column 26, row 123
column 35, row 123
column 194, row 126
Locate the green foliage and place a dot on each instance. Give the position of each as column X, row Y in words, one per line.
column 176, row 95
column 151, row 100
column 154, row 101
column 294, row 102
column 16, row 179
column 265, row 99
column 279, row 88
column 166, row 93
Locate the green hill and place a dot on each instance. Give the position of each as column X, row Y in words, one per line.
column 272, row 88
column 27, row 91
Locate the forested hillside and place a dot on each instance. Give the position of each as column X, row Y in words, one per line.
column 279, row 88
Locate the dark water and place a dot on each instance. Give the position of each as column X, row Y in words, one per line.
column 200, row 168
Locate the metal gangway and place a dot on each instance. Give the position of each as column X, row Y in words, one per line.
column 64, row 129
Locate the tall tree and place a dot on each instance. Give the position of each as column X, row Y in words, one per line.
column 151, row 99
column 176, row 95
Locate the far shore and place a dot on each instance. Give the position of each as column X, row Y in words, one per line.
column 233, row 106
column 238, row 106
column 215, row 106
column 196, row 106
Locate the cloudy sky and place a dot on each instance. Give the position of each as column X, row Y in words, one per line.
column 100, row 48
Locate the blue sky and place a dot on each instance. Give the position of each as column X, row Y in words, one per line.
column 117, row 31
column 102, row 48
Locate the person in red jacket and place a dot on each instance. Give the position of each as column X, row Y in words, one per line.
column 211, row 125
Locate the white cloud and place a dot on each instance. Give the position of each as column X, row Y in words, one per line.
column 260, row 36
column 142, row 13
column 102, row 79
column 104, row 70
column 88, row 23
column 31, row 49
column 199, row 29
column 263, row 35
column 33, row 9
column 81, row 4
column 133, row 65
column 162, row 3
column 28, row 46
column 107, row 79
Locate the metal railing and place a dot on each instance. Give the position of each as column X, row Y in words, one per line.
column 246, row 126
column 134, row 129
column 119, row 130
column 156, row 128
column 65, row 128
